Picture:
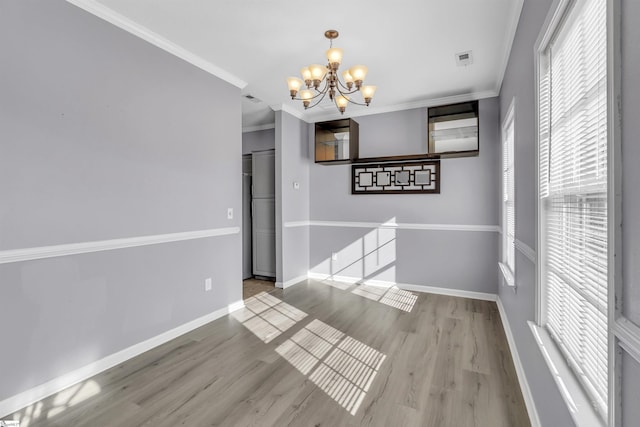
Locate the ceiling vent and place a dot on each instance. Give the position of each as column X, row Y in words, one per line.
column 252, row 98
column 464, row 58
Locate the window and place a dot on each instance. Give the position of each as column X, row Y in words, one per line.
column 573, row 193
column 508, row 192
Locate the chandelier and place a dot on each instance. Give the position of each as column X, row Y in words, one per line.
column 322, row 80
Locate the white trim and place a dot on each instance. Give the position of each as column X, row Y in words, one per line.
column 526, row 250
column 311, row 116
column 628, row 338
column 293, row 224
column 509, row 279
column 35, row 394
column 121, row 21
column 28, row 254
column 399, row 226
column 522, row 377
column 510, row 36
column 576, row 399
column 628, row 334
column 291, row 110
column 406, row 286
column 257, row 128
column 484, row 296
column 291, row 282
column 331, row 277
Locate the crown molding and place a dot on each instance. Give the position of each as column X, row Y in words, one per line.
column 122, row 22
column 291, row 110
column 323, row 116
column 511, row 35
column 257, row 128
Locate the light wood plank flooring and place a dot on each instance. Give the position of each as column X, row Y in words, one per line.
column 251, row 287
column 313, row 355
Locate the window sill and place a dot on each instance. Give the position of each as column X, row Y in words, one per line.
column 508, row 275
column 577, row 401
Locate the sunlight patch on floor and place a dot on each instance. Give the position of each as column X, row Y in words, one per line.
column 267, row 316
column 391, row 296
column 60, row 402
column 338, row 364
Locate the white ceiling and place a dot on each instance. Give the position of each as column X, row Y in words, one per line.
column 409, row 46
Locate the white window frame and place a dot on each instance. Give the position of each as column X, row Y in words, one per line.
column 577, row 401
column 508, row 244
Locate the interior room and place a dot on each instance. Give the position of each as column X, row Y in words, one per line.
column 366, row 213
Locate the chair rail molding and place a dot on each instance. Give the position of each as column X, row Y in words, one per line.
column 28, row 254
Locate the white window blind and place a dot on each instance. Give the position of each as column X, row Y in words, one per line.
column 508, row 191
column 573, row 193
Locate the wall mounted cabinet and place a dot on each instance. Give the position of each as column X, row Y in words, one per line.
column 453, row 130
column 336, row 141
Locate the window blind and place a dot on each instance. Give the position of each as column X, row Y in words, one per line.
column 508, row 186
column 573, row 193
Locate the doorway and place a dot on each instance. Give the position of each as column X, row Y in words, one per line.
column 258, row 222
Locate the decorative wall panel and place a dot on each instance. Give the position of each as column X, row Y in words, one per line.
column 396, row 178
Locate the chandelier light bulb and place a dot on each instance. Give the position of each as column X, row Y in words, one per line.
column 294, row 84
column 341, row 102
column 306, row 96
column 306, row 75
column 317, row 71
column 368, row 92
column 334, row 55
column 358, row 72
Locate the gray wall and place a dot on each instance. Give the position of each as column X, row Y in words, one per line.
column 630, row 199
column 519, row 82
column 104, row 136
column 469, row 195
column 258, row 140
column 292, row 205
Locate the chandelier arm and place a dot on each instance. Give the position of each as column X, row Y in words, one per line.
column 319, row 92
column 349, row 99
column 357, row 103
column 324, row 89
column 346, row 93
column 346, row 88
column 318, row 101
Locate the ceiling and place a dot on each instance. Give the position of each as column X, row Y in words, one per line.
column 409, row 46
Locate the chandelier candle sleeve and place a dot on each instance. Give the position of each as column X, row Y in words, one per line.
column 294, row 85
column 322, row 80
column 341, row 102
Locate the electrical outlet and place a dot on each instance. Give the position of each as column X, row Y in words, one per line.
column 334, row 256
column 296, row 185
column 207, row 284
column 230, row 213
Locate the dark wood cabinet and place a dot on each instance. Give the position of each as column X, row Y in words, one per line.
column 336, row 141
column 453, row 130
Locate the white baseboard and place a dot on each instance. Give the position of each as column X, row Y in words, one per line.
column 406, row 286
column 56, row 385
column 324, row 276
column 291, row 282
column 451, row 292
column 522, row 378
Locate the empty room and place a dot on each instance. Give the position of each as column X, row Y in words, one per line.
column 275, row 213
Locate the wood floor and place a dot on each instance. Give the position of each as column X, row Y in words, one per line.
column 251, row 287
column 313, row 355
